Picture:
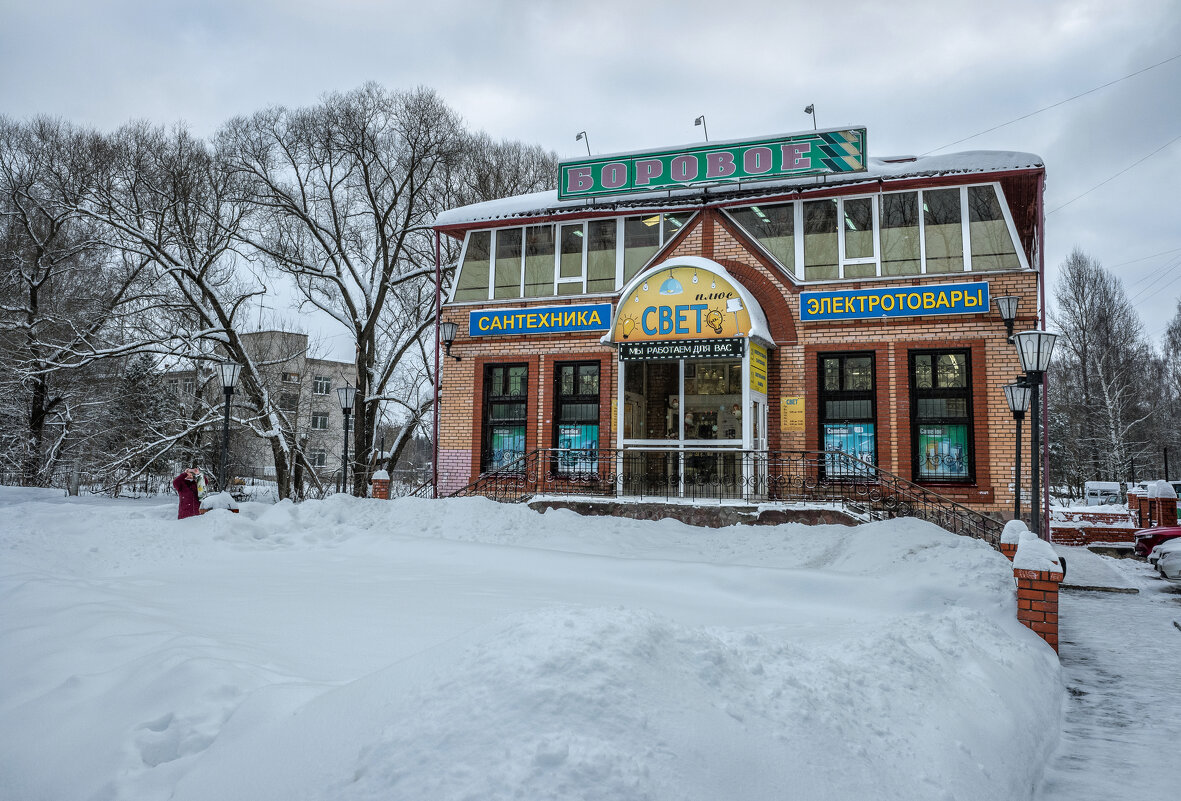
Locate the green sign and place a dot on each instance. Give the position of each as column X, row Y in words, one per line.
column 789, row 156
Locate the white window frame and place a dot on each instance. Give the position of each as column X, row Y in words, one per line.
column 875, row 234
column 319, row 415
column 582, row 280
column 558, row 280
column 319, row 381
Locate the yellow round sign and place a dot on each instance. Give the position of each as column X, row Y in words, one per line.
column 681, row 302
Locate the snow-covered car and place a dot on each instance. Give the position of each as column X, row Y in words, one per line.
column 1168, row 562
column 1155, row 553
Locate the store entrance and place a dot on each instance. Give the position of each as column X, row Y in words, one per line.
column 688, row 428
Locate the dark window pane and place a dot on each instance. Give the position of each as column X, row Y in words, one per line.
column 820, row 240
column 951, row 371
column 944, row 234
column 473, row 274
column 858, row 373
column 588, row 379
column 516, row 380
column 900, row 233
column 774, row 228
column 539, row 261
column 641, row 240
column 922, row 371
column 570, row 262
column 832, row 374
column 673, row 224
column 859, row 229
column 600, row 256
column 508, row 263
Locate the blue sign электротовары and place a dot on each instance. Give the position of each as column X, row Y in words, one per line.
column 902, row 301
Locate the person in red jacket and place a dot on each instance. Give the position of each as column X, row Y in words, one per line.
column 186, row 487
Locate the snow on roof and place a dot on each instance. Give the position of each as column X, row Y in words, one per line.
column 889, row 168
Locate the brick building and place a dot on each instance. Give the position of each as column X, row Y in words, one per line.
column 689, row 310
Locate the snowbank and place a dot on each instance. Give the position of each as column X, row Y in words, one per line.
column 414, row 649
column 218, row 500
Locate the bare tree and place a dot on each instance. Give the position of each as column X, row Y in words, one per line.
column 68, row 300
column 344, row 189
column 1100, row 362
column 166, row 198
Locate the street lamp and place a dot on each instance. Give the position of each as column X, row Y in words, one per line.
column 1017, row 394
column 1035, row 348
column 1006, row 305
column 346, row 395
column 447, row 336
column 229, row 376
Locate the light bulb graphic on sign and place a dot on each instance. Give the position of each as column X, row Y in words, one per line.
column 715, row 320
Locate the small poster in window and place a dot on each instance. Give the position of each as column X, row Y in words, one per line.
column 849, row 439
column 943, row 451
column 578, row 448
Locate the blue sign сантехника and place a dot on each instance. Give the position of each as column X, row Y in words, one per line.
column 540, row 320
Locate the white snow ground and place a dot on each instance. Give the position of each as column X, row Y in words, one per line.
column 1122, row 720
column 359, row 649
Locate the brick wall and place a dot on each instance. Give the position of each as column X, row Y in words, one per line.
column 792, row 368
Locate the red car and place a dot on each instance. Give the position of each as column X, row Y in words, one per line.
column 1149, row 538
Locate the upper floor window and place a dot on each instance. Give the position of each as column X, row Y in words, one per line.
column 774, row 228
column 321, row 385
column 930, row 231
column 290, row 378
column 578, row 258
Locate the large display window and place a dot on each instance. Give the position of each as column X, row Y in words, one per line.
column 576, row 416
column 848, row 414
column 941, row 416
column 505, row 407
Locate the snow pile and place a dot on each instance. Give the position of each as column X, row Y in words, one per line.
column 413, row 649
column 1162, row 489
column 219, row 500
column 1035, row 554
column 1011, row 533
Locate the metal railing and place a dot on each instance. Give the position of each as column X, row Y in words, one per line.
column 705, row 475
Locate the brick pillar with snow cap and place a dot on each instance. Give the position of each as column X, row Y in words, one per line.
column 1038, row 571
column 1166, row 504
column 381, row 485
column 1010, row 536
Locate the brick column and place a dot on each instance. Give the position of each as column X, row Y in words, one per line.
column 381, row 485
column 1134, row 507
column 1037, row 602
column 1038, row 571
column 1168, row 511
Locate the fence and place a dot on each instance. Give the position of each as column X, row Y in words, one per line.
column 702, row 475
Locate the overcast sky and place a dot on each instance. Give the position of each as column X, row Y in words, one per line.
column 634, row 75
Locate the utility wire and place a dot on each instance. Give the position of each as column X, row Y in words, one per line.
column 1146, row 258
column 1055, row 105
column 1117, row 175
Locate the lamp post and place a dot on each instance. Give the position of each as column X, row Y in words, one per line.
column 229, row 376
column 1017, row 394
column 1006, row 305
column 1035, row 348
column 346, row 395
